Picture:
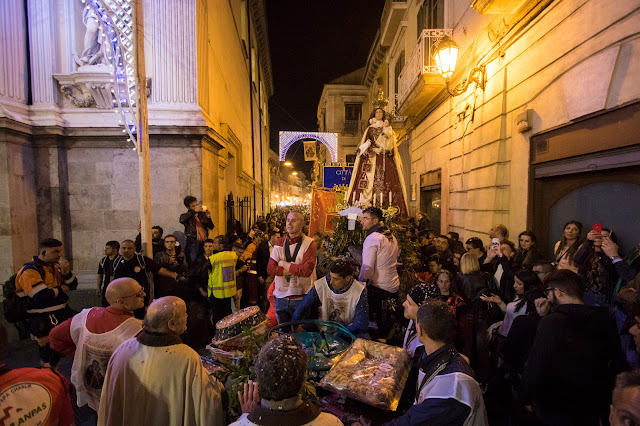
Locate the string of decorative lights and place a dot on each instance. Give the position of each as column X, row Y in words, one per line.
column 116, row 20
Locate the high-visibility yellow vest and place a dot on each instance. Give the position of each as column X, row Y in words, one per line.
column 222, row 278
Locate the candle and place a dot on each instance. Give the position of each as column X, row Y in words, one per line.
column 389, row 197
column 381, row 199
column 374, row 199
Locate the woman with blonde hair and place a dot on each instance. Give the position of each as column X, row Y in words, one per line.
column 474, row 285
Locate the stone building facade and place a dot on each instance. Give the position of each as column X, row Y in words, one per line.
column 548, row 138
column 69, row 171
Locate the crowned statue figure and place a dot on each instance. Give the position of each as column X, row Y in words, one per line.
column 377, row 178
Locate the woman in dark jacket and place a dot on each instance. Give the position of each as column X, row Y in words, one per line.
column 474, row 283
column 596, row 269
column 527, row 254
column 502, row 259
column 424, row 224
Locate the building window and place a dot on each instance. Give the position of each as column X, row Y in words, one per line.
column 352, row 114
column 430, row 15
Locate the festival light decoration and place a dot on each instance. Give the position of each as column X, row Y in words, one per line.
column 116, row 20
column 330, row 140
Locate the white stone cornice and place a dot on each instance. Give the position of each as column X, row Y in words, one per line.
column 175, row 114
column 45, row 114
column 13, row 51
column 91, row 117
column 15, row 110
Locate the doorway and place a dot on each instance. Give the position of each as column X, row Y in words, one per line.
column 430, row 202
column 610, row 197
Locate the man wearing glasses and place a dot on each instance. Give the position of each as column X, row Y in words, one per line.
column 91, row 336
column 570, row 372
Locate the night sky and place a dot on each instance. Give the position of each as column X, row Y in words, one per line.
column 312, row 42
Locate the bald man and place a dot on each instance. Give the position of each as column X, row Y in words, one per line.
column 293, row 264
column 91, row 336
column 154, row 378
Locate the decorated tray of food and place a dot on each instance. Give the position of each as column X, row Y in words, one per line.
column 229, row 329
column 370, row 372
column 323, row 341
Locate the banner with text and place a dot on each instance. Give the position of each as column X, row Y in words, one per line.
column 337, row 177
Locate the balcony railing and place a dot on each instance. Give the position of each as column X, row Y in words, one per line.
column 421, row 61
column 352, row 127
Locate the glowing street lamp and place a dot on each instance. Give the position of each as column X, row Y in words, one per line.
column 294, row 173
column 446, row 57
column 288, row 163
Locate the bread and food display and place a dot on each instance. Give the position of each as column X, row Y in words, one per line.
column 370, row 372
column 229, row 329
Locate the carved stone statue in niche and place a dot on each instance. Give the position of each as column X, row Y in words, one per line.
column 96, row 46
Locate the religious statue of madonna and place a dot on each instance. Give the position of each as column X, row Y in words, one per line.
column 377, row 178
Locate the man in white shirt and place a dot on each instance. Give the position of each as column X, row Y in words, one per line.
column 379, row 269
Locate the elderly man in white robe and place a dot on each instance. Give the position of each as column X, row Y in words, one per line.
column 154, row 378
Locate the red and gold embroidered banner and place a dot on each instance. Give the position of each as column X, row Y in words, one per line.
column 323, row 208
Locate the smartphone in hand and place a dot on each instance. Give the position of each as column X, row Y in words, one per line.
column 495, row 243
column 597, row 227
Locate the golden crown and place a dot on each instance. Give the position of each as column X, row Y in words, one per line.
column 381, row 102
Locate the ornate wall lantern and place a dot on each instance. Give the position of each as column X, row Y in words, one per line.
column 446, row 57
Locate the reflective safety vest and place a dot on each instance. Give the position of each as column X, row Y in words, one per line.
column 222, row 278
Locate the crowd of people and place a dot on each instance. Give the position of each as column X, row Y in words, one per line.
column 498, row 333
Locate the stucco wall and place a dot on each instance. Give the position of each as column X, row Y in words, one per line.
column 578, row 58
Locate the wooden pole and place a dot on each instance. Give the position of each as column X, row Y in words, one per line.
column 144, row 169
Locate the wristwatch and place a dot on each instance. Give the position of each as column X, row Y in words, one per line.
column 616, row 259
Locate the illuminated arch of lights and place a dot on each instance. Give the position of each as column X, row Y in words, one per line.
column 330, row 140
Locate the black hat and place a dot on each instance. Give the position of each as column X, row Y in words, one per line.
column 423, row 291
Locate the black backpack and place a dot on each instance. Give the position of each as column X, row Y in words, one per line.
column 14, row 307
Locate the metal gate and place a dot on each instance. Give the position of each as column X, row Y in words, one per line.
column 238, row 214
